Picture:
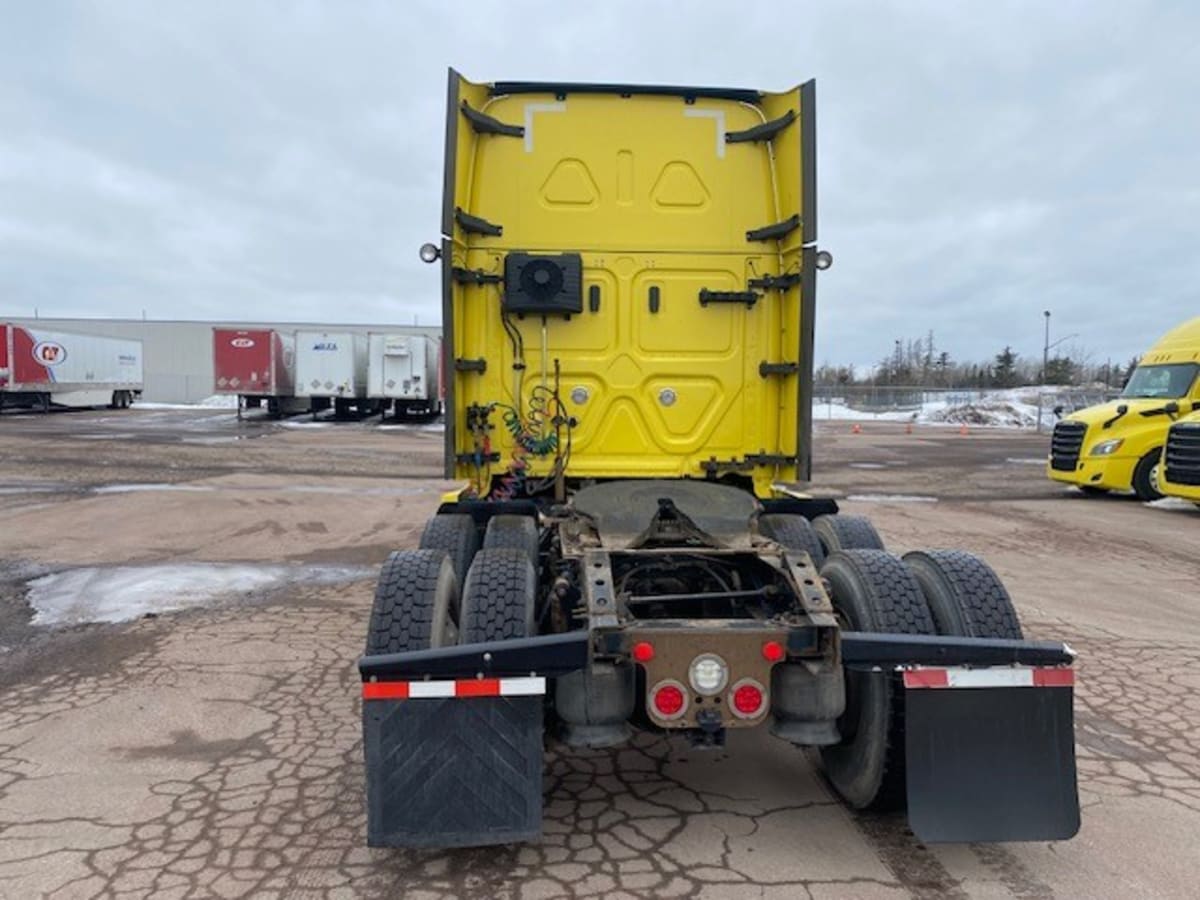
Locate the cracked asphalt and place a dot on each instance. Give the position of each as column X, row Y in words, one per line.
column 216, row 751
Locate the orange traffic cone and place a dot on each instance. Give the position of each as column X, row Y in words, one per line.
column 856, row 429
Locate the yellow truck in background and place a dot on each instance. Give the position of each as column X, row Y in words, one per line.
column 1180, row 473
column 1118, row 446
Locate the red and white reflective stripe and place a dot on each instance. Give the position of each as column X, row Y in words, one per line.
column 1037, row 676
column 465, row 687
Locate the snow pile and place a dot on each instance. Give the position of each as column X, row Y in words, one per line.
column 121, row 593
column 216, row 401
column 1013, row 408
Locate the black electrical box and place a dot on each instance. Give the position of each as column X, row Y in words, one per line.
column 543, row 285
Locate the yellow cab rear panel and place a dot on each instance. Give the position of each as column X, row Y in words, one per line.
column 628, row 277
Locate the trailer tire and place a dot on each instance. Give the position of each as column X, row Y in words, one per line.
column 415, row 603
column 499, row 597
column 517, row 532
column 457, row 535
column 872, row 590
column 793, row 532
column 838, row 532
column 965, row 596
column 1145, row 478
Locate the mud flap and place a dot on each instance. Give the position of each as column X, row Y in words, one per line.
column 453, row 772
column 990, row 754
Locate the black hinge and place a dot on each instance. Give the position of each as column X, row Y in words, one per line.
column 778, row 230
column 712, row 465
column 763, row 132
column 475, row 276
column 784, row 368
column 770, row 459
column 474, row 459
column 470, row 365
column 775, row 282
column 485, row 124
column 747, row 297
column 476, row 225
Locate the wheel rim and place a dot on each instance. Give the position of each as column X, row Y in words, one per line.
column 1154, row 479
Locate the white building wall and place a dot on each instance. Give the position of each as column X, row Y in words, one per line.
column 178, row 354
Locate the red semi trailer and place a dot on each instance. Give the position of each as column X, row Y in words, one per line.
column 256, row 365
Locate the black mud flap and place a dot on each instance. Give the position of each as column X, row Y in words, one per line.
column 453, row 772
column 990, row 763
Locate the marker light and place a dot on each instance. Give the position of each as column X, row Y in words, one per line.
column 772, row 651
column 643, row 651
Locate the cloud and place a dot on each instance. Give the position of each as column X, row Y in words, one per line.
column 978, row 164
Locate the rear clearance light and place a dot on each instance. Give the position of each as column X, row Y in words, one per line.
column 669, row 699
column 747, row 698
column 773, row 651
column 643, row 651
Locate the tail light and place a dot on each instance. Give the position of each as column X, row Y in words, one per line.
column 772, row 651
column 669, row 699
column 747, row 698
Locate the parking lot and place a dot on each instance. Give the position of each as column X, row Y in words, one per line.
column 213, row 750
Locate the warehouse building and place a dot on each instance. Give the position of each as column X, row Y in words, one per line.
column 178, row 355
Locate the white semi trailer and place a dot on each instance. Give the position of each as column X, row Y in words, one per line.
column 402, row 373
column 331, row 370
column 41, row 368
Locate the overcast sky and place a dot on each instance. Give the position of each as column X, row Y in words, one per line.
column 979, row 162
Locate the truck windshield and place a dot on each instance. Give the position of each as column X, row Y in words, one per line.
column 1168, row 382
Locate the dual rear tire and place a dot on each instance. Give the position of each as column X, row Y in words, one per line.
column 947, row 592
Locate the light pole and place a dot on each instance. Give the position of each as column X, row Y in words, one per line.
column 1046, row 347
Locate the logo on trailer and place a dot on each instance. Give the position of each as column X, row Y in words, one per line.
column 325, row 345
column 49, row 353
column 242, row 343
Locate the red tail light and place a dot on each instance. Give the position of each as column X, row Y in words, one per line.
column 669, row 699
column 747, row 698
column 772, row 651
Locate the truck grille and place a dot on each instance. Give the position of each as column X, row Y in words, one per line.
column 1066, row 444
column 1183, row 454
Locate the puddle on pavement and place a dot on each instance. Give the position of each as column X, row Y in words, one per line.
column 122, row 593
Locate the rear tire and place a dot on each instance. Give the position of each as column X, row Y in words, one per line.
column 840, row 532
column 517, row 532
column 872, row 590
column 499, row 598
column 966, row 598
column 1145, row 478
column 456, row 534
column 793, row 532
column 415, row 601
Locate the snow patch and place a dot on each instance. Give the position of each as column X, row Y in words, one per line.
column 891, row 498
column 868, row 465
column 1173, row 503
column 122, row 593
column 216, row 401
column 1026, row 460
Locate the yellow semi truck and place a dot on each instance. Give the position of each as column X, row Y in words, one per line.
column 1118, row 446
column 629, row 279
column 1180, row 472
